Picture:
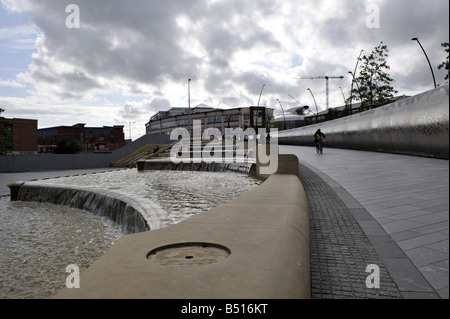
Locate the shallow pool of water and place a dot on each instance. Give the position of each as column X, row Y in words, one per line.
column 169, row 197
column 38, row 241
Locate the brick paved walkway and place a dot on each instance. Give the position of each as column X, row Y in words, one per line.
column 340, row 250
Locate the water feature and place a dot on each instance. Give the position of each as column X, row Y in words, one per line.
column 38, row 241
column 168, row 197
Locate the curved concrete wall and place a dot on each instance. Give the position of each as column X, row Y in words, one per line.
column 206, row 167
column 418, row 125
column 118, row 208
column 253, row 247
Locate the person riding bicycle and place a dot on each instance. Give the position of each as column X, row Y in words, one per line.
column 318, row 136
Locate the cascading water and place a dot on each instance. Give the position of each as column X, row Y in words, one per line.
column 98, row 202
column 243, row 168
column 38, row 240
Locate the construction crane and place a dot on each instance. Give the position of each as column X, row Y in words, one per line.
column 327, row 78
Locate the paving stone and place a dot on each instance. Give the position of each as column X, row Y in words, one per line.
column 340, row 250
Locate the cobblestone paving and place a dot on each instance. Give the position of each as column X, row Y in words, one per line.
column 339, row 249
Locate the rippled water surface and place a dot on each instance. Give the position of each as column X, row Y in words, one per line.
column 168, row 196
column 38, row 241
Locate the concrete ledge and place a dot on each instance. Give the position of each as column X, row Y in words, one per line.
column 167, row 164
column 14, row 190
column 253, row 247
column 287, row 164
column 117, row 207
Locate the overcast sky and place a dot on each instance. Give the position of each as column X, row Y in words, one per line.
column 129, row 59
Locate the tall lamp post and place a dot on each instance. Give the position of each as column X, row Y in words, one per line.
column 353, row 79
column 434, row 79
column 130, row 128
column 345, row 101
column 317, row 110
column 284, row 117
column 189, row 107
column 261, row 93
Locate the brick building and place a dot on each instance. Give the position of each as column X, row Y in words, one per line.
column 94, row 139
column 24, row 135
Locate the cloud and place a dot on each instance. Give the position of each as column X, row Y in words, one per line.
column 11, row 83
column 134, row 109
column 18, row 38
column 144, row 51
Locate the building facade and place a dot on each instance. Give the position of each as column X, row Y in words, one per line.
column 25, row 132
column 244, row 117
column 94, row 139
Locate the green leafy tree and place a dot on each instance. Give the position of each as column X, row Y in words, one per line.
column 444, row 65
column 374, row 83
column 6, row 135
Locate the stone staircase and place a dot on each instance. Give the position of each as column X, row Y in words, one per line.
column 225, row 151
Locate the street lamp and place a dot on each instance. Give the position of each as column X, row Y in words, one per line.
column 434, row 79
column 317, row 110
column 189, row 106
column 129, row 131
column 353, row 79
column 261, row 93
column 345, row 101
column 284, row 117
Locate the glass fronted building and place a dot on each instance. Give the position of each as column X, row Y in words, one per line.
column 165, row 122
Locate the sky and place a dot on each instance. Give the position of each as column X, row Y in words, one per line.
column 118, row 62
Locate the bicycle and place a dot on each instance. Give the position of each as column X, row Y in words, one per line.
column 319, row 146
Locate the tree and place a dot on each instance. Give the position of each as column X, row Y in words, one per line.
column 6, row 135
column 374, row 87
column 445, row 63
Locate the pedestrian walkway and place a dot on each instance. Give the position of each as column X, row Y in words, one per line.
column 400, row 202
column 366, row 208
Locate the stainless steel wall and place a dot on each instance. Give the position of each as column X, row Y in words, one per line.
column 418, row 125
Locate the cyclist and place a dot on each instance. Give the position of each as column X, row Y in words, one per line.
column 318, row 137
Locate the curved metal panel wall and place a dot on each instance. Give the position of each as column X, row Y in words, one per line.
column 418, row 125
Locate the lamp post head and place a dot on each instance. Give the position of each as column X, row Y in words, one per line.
column 414, row 39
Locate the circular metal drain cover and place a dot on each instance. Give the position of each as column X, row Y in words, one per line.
column 188, row 254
